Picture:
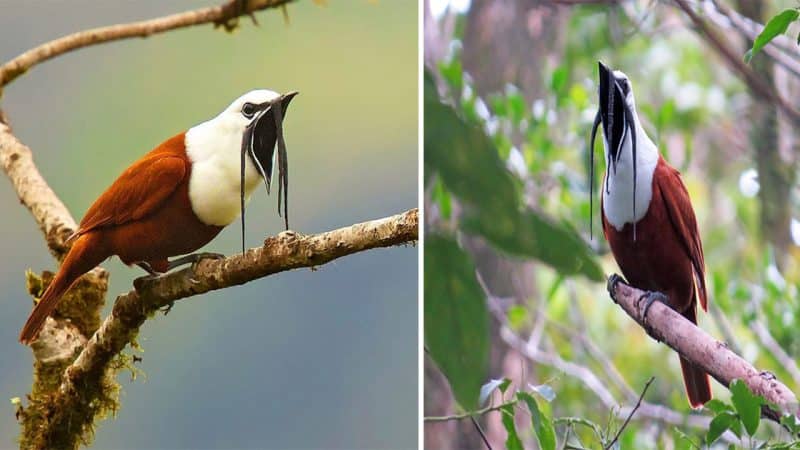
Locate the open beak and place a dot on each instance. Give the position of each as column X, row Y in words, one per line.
column 262, row 135
column 259, row 144
column 617, row 120
column 614, row 112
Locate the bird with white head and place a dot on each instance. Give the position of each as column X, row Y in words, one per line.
column 179, row 196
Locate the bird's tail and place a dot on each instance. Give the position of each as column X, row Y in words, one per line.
column 698, row 386
column 82, row 257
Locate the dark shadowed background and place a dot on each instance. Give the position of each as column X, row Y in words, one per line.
column 298, row 360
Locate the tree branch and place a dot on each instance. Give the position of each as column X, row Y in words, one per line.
column 219, row 15
column 756, row 84
column 633, row 411
column 72, row 407
column 50, row 214
column 666, row 325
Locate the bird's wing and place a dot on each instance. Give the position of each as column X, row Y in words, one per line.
column 681, row 215
column 138, row 192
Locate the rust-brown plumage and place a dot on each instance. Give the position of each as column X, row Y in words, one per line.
column 179, row 196
column 667, row 257
column 144, row 216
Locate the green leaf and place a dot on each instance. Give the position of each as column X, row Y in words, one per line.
column 468, row 164
column 456, row 319
column 542, row 423
column 512, row 441
column 516, row 106
column 442, row 198
column 717, row 406
column 558, row 81
column 453, row 74
column 747, row 405
column 532, row 235
column 466, row 159
column 720, row 424
column 790, row 422
column 776, row 26
column 684, row 438
column 517, row 316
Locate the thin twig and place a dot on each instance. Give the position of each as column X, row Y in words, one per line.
column 480, row 431
column 468, row 414
column 756, row 84
column 771, row 344
column 633, row 411
column 219, row 15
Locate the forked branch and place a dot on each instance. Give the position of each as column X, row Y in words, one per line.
column 70, row 410
column 667, row 326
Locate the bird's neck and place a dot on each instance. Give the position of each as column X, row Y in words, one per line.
column 215, row 181
column 618, row 186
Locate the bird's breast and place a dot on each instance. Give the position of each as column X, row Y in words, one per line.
column 619, row 194
column 215, row 189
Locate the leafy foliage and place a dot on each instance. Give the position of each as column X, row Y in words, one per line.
column 774, row 28
column 459, row 339
column 534, row 145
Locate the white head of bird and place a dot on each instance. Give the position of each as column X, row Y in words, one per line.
column 631, row 156
column 233, row 151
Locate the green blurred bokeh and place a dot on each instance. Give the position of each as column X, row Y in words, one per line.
column 298, row 360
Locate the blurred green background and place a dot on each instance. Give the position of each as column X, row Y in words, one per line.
column 298, row 360
column 513, row 84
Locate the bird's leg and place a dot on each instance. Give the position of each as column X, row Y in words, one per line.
column 651, row 297
column 193, row 259
column 149, row 269
column 611, row 285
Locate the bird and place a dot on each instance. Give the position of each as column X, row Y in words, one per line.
column 647, row 216
column 178, row 197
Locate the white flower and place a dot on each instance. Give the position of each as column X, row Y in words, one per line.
column 438, row 7
column 748, row 183
column 689, row 96
column 481, row 110
column 538, row 108
column 516, row 163
column 795, row 227
column 715, row 99
column 775, row 277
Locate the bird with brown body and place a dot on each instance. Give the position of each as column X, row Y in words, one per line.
column 177, row 197
column 648, row 218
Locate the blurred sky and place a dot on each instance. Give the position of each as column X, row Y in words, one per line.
column 298, row 360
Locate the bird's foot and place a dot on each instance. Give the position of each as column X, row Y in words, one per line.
column 148, row 268
column 167, row 308
column 650, row 297
column 234, row 10
column 138, row 283
column 767, row 375
column 611, row 285
column 193, row 259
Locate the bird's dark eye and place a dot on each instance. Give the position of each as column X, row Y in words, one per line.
column 624, row 85
column 248, row 110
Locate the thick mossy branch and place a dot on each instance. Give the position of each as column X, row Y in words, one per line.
column 666, row 325
column 88, row 391
column 59, row 343
column 50, row 214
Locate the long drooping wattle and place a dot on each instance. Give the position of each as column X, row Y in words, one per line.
column 631, row 124
column 246, row 140
column 597, row 122
column 283, row 165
